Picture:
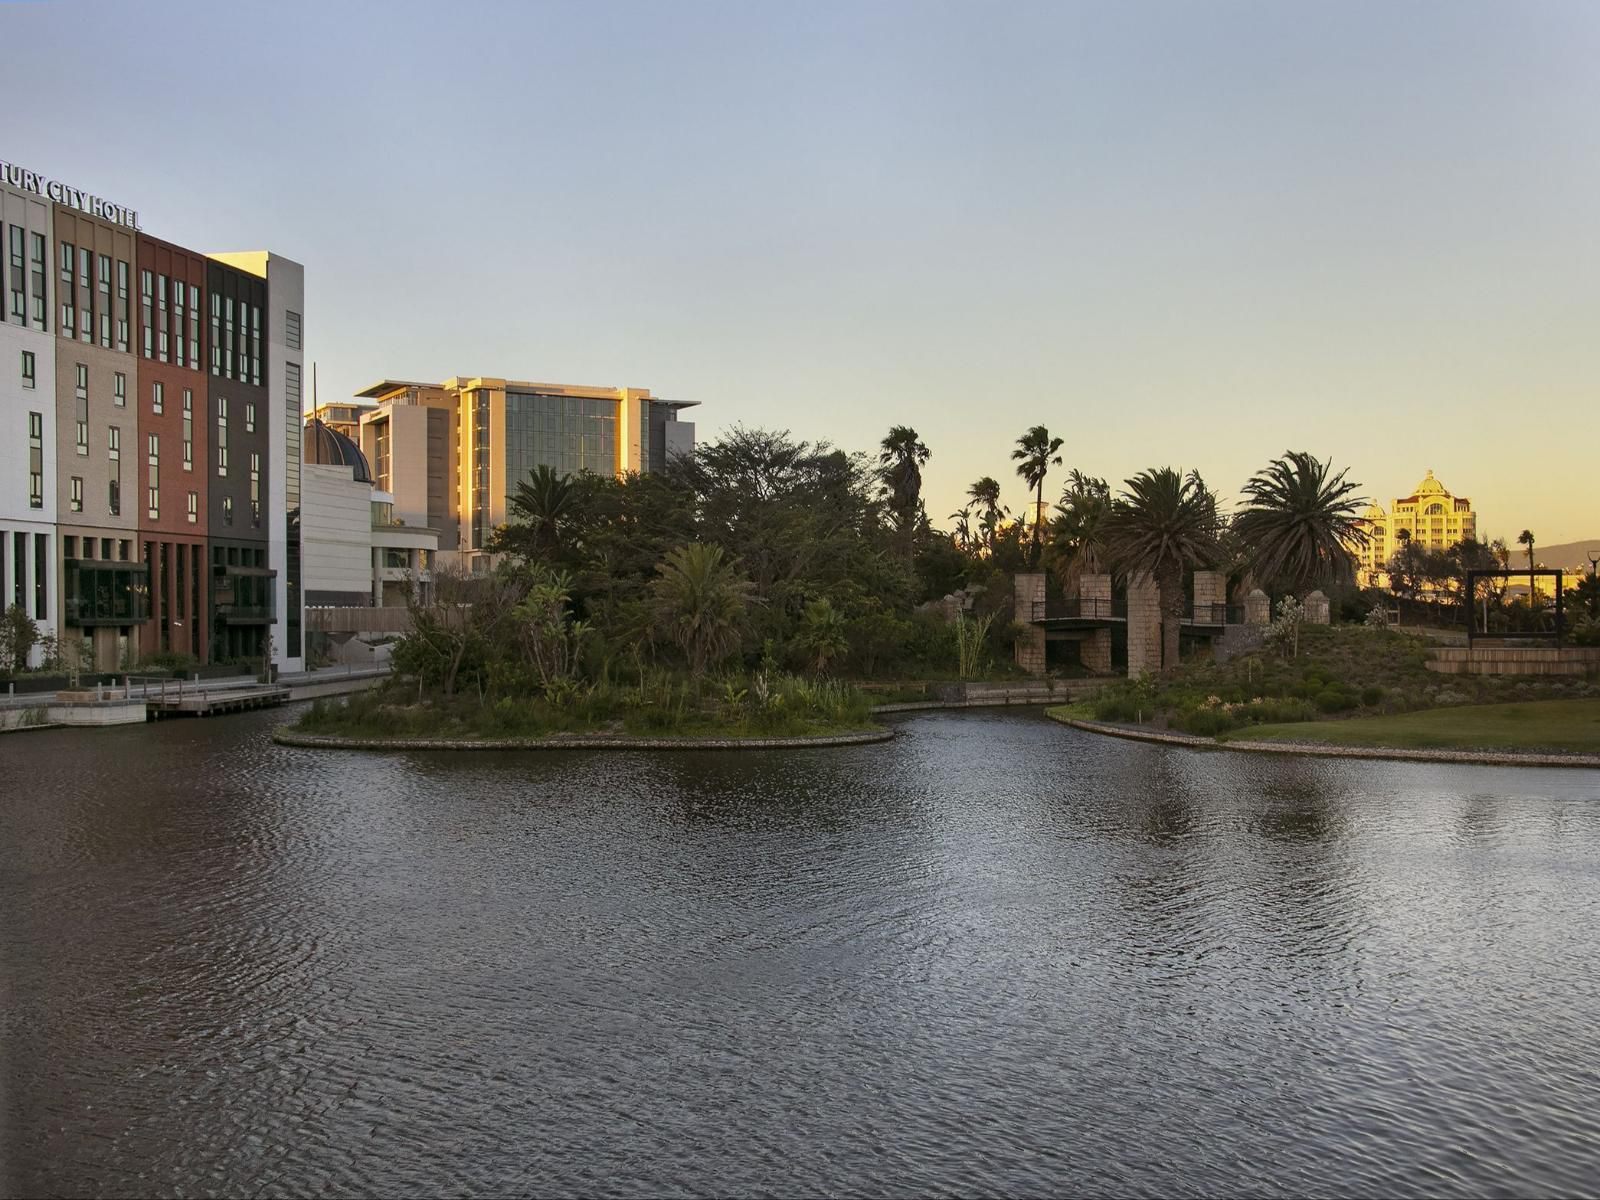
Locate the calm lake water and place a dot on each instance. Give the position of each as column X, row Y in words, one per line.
column 994, row 956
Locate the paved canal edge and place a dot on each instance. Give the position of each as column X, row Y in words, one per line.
column 285, row 736
column 1491, row 758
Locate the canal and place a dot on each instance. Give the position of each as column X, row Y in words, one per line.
column 993, row 956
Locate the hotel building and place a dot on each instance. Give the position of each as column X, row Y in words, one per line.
column 451, row 453
column 151, row 407
column 1434, row 518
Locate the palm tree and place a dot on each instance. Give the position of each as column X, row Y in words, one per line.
column 986, row 495
column 701, row 600
column 1077, row 535
column 1163, row 523
column 544, row 502
column 1300, row 522
column 963, row 531
column 1525, row 538
column 1035, row 454
column 901, row 458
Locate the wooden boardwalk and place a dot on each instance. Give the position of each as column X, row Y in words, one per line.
column 182, row 698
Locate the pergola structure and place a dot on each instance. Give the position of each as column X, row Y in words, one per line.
column 1531, row 575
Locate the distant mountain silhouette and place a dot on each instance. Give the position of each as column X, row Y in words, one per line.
column 1568, row 556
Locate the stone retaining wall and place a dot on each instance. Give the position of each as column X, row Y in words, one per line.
column 317, row 741
column 1515, row 660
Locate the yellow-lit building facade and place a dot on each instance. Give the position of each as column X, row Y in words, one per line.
column 452, row 453
column 1435, row 517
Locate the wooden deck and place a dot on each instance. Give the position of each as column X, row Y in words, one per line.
column 181, row 698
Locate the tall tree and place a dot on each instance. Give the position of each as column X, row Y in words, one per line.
column 1077, row 534
column 985, row 494
column 1164, row 523
column 1525, row 538
column 901, row 457
column 1300, row 522
column 700, row 599
column 1035, row 454
column 544, row 505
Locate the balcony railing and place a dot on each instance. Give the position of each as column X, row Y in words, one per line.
column 1078, row 608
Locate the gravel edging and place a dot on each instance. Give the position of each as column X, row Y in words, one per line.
column 1493, row 758
column 285, row 736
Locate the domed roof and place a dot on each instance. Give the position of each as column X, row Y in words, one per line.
column 1430, row 486
column 331, row 448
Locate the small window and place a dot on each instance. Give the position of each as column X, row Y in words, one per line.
column 77, row 493
column 227, row 510
column 158, row 396
column 194, row 508
column 291, row 330
column 29, row 369
column 249, row 418
column 83, row 381
column 120, row 390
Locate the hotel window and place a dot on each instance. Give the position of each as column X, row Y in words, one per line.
column 19, row 273
column 147, row 283
column 194, row 508
column 153, row 480
column 113, row 443
column 255, row 344
column 76, row 502
column 249, row 417
column 105, row 301
column 68, row 301
column 216, row 334
column 194, row 328
column 158, row 396
column 227, row 510
column 29, row 369
column 40, row 321
column 163, row 344
column 255, row 489
column 35, row 460
column 86, row 293
column 119, row 393
column 188, row 430
column 81, row 401
column 41, row 560
column 122, row 306
column 227, row 337
column 178, row 355
column 291, row 330
column 222, row 435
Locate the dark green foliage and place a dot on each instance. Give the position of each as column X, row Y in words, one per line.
column 1299, row 523
column 1341, row 670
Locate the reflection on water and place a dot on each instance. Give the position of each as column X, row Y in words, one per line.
column 993, row 956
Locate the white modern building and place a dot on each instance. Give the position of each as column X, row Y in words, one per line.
column 28, row 502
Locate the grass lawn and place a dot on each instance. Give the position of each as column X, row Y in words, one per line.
column 1526, row 725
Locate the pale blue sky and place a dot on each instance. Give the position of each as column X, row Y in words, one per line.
column 1187, row 233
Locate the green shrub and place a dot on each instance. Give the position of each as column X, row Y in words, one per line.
column 1372, row 695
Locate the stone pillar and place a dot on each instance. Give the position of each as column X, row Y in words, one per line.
column 1317, row 609
column 1257, row 608
column 1026, row 590
column 1095, row 650
column 1210, row 593
column 1144, row 625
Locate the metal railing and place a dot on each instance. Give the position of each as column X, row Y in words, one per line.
column 1078, row 608
column 164, row 687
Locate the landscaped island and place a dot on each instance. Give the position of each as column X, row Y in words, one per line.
column 1357, row 687
column 782, row 709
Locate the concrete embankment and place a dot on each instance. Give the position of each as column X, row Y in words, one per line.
column 1492, row 758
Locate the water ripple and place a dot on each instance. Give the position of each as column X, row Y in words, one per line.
column 994, row 956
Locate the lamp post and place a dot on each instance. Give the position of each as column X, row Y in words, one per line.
column 1594, row 562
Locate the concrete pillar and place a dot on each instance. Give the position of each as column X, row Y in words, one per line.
column 1144, row 625
column 1257, row 608
column 1317, row 609
column 1095, row 650
column 1026, row 591
column 1210, row 592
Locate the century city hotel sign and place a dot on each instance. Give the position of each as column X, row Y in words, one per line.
column 59, row 193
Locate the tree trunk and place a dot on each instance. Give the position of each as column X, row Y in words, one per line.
column 1169, row 585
